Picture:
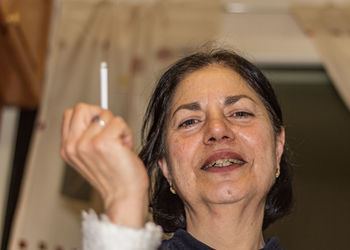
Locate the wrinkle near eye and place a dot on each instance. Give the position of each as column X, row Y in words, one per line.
column 183, row 116
column 188, row 123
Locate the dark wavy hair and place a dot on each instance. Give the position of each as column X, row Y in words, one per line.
column 167, row 208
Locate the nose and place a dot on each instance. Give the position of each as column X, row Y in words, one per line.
column 217, row 131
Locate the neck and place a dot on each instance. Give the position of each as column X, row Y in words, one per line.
column 226, row 225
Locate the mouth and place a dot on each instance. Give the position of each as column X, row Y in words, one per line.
column 221, row 163
column 223, row 160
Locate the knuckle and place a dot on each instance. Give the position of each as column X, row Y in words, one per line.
column 80, row 106
column 67, row 113
column 118, row 121
column 98, row 144
column 83, row 147
column 70, row 150
column 63, row 153
column 106, row 112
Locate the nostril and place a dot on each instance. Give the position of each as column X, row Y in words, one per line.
column 212, row 139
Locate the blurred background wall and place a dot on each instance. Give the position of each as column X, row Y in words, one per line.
column 302, row 48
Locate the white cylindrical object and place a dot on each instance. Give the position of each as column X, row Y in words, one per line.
column 104, row 85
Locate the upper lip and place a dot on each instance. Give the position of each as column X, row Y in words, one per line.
column 222, row 155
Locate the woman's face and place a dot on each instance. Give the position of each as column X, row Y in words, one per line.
column 221, row 147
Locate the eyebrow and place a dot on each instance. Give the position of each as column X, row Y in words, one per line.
column 228, row 101
column 233, row 99
column 188, row 106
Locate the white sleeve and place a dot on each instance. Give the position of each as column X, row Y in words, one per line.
column 102, row 234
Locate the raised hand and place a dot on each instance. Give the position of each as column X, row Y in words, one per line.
column 99, row 146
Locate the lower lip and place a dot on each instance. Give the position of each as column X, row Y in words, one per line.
column 223, row 169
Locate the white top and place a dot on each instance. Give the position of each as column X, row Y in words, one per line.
column 102, row 234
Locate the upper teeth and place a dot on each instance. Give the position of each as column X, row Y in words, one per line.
column 223, row 163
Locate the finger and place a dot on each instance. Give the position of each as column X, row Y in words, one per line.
column 81, row 119
column 106, row 144
column 97, row 124
column 86, row 147
column 119, row 130
column 67, row 116
column 89, row 160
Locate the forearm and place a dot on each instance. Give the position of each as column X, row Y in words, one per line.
column 130, row 211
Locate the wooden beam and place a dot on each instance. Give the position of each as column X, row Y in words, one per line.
column 22, row 62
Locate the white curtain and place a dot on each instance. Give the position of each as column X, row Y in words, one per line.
column 138, row 39
column 328, row 27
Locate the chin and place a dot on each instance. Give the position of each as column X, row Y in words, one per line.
column 225, row 194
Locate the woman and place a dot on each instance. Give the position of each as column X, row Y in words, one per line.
column 214, row 145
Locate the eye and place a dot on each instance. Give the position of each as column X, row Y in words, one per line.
column 242, row 114
column 188, row 123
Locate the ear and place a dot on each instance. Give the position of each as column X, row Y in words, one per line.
column 165, row 169
column 280, row 140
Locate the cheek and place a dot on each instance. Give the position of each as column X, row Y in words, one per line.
column 182, row 160
column 181, row 156
column 257, row 139
column 262, row 150
column 179, row 151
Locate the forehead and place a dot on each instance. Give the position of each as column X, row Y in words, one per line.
column 213, row 81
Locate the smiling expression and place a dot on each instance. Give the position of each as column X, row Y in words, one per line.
column 221, row 147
